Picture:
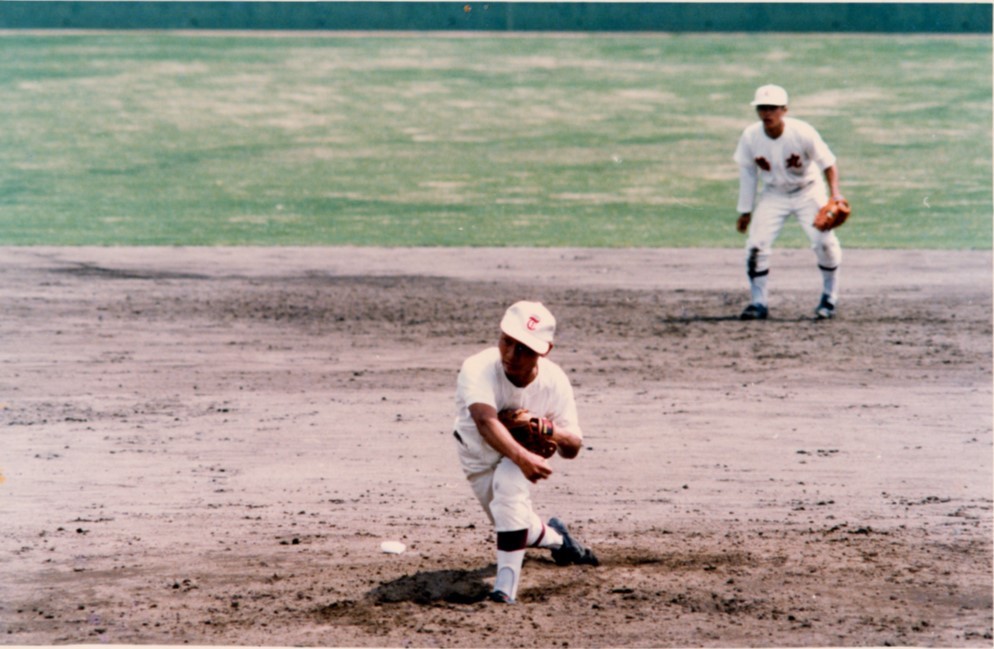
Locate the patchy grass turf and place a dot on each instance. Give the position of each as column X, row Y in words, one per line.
column 550, row 140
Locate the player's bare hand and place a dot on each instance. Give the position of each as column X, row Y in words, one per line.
column 743, row 223
column 533, row 466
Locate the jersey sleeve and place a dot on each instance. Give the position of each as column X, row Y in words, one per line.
column 743, row 152
column 819, row 151
column 748, row 175
column 747, row 188
column 565, row 413
column 474, row 386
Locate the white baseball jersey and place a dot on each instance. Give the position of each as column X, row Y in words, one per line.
column 788, row 164
column 482, row 380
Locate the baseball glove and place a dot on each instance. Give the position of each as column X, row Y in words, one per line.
column 534, row 433
column 833, row 214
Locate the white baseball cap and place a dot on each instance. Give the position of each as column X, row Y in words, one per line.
column 770, row 95
column 530, row 323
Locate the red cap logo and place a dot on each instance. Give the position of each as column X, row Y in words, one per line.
column 532, row 323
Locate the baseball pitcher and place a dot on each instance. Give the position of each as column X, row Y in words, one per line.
column 515, row 411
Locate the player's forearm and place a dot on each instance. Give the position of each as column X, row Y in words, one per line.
column 832, row 178
column 534, row 467
column 569, row 443
column 496, row 435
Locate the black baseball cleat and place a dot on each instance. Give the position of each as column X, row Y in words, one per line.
column 500, row 597
column 755, row 312
column 571, row 551
column 825, row 309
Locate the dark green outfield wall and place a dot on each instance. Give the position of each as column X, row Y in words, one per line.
column 501, row 16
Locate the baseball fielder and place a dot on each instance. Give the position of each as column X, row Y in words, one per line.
column 789, row 158
column 517, row 375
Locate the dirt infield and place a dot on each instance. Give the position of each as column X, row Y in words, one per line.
column 208, row 446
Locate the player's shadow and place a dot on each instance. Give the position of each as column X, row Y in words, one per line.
column 698, row 318
column 452, row 586
column 687, row 319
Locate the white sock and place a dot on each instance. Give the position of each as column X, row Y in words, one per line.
column 757, row 286
column 541, row 535
column 509, row 572
column 830, row 283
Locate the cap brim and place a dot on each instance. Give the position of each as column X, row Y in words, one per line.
column 526, row 338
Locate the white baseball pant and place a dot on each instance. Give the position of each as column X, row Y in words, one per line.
column 768, row 218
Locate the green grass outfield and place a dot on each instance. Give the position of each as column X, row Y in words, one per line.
column 141, row 138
